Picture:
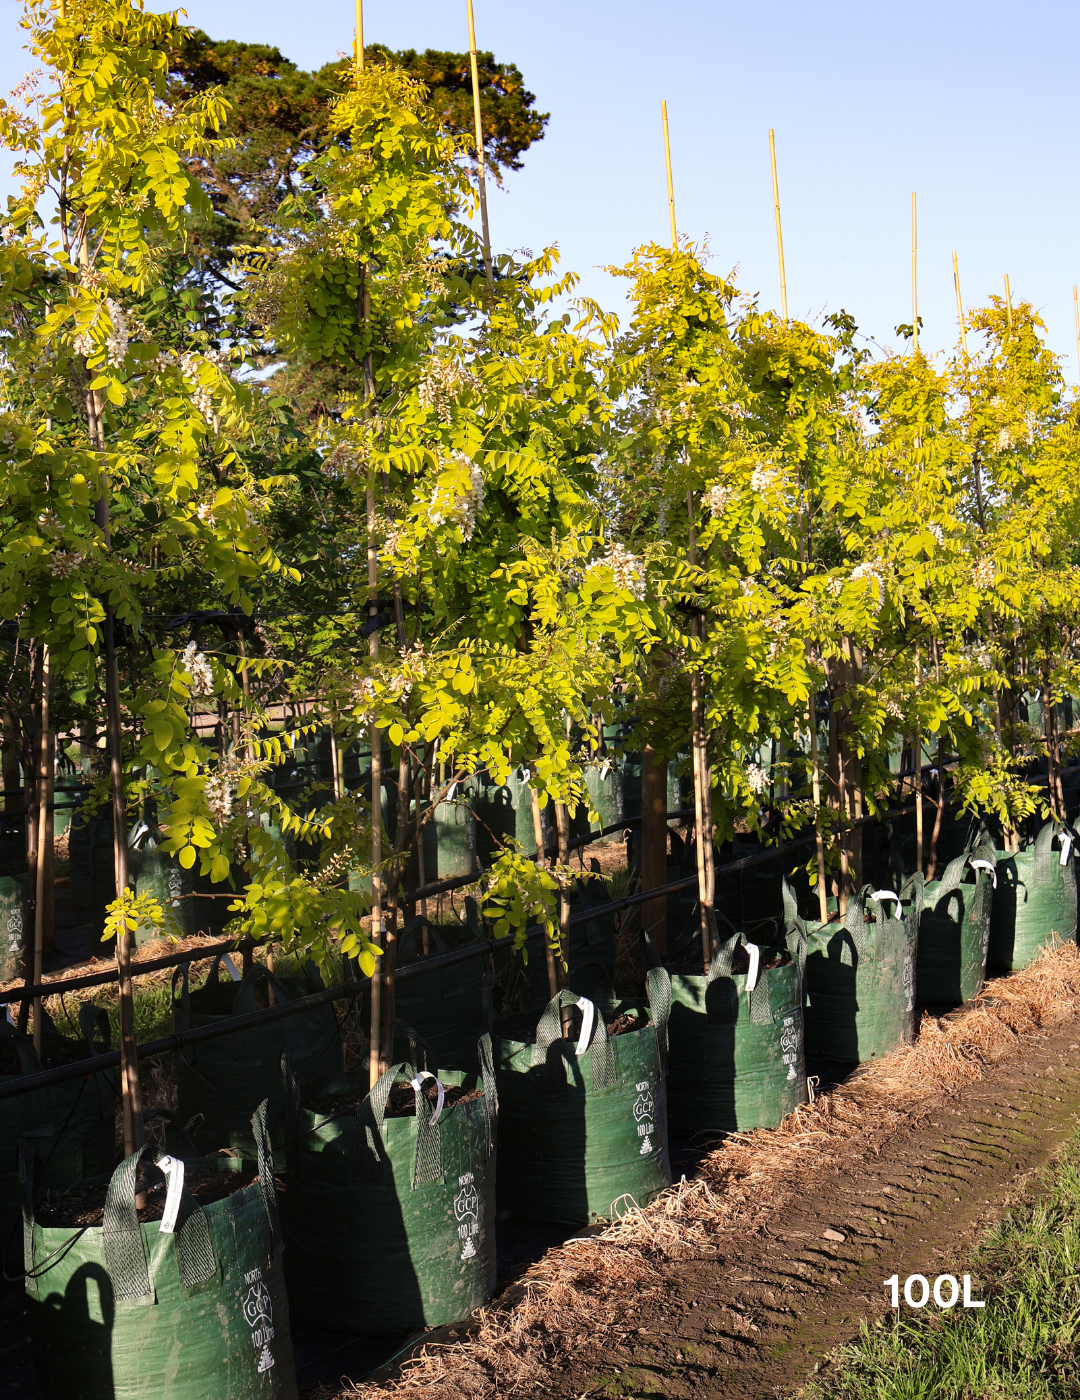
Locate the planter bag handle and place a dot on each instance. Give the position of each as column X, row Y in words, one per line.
column 122, row 1235
column 415, row 927
column 757, row 987
column 658, row 990
column 1044, row 853
column 265, row 1152
column 594, row 1038
column 795, row 940
column 24, row 1048
column 92, row 1018
column 373, row 1159
column 491, row 1093
column 247, row 1041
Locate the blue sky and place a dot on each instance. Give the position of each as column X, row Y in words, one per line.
column 971, row 105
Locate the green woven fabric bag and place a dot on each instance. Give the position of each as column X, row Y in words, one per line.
column 860, row 976
column 583, row 1126
column 13, row 889
column 221, row 1082
column 955, row 929
column 1035, row 898
column 392, row 1220
column 736, row 1040
column 123, row 1311
column 69, row 1125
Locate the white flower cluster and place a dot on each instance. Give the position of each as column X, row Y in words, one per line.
column 442, row 382
column 757, row 780
column 116, row 338
column 718, row 498
column 762, row 479
column 938, row 533
column 460, row 510
column 626, row 569
column 984, row 574
column 892, row 708
column 197, row 666
column 63, row 563
column 869, row 571
column 188, row 364
column 219, row 793
column 363, row 695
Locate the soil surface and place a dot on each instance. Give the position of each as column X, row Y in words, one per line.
column 87, row 1205
column 402, row 1100
column 758, row 1320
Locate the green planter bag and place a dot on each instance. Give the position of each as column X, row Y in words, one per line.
column 166, row 879
column 69, row 1125
column 736, row 1040
column 955, row 929
column 449, row 1007
column 392, row 1219
column 860, row 976
column 583, row 1125
column 12, row 926
column 1035, row 897
column 223, row 1081
column 129, row 1311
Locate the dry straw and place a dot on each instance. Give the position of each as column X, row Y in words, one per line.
column 576, row 1291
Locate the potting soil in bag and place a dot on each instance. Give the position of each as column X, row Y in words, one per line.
column 392, row 1199
column 583, row 1121
column 187, row 1303
column 69, row 1125
column 860, row 976
column 735, row 1058
column 955, row 929
column 1035, row 898
column 448, row 1007
column 221, row 1082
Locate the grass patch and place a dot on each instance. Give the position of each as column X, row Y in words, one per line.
column 1023, row 1344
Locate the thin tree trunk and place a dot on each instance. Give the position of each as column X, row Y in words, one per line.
column 44, row 787
column 939, row 814
column 702, row 781
column 917, row 782
column 654, row 843
column 819, row 836
column 562, row 826
column 554, row 965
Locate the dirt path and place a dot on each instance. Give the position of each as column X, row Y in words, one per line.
column 757, row 1318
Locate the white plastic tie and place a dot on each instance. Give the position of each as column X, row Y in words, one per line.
column 986, row 865
column 755, row 967
column 231, row 966
column 1066, row 847
column 174, row 1172
column 418, row 1084
column 880, row 896
column 588, row 1020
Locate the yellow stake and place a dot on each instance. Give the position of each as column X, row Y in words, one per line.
column 1076, row 313
column 359, row 36
column 959, row 303
column 1008, row 300
column 914, row 275
column 480, row 157
column 670, row 183
column 779, row 233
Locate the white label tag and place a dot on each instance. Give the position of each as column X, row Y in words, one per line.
column 174, row 1170
column 232, row 967
column 588, row 1020
column 986, row 865
column 755, row 963
column 879, row 897
column 417, row 1085
column 1066, row 847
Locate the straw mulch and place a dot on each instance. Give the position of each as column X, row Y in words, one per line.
column 577, row 1290
column 149, row 952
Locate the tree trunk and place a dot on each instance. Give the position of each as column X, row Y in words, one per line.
column 654, row 844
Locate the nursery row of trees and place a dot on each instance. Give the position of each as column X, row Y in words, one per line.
column 263, row 391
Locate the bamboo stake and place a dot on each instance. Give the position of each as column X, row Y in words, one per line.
column 1076, row 315
column 914, row 275
column 702, row 784
column 481, row 179
column 425, row 940
column 541, row 860
column 359, row 36
column 670, row 182
column 959, row 303
column 1008, row 299
column 918, row 772
column 44, row 802
column 819, row 839
column 779, row 231
column 562, row 827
